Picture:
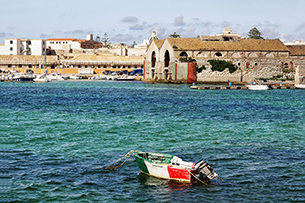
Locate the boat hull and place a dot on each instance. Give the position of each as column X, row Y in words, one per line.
column 168, row 167
column 300, row 86
column 257, row 87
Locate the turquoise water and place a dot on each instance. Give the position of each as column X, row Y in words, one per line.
column 57, row 138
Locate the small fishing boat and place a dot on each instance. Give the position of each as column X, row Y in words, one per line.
column 171, row 167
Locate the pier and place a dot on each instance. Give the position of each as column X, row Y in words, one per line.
column 241, row 87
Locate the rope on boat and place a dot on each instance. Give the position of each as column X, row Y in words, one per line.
column 201, row 180
column 220, row 178
column 197, row 178
column 116, row 167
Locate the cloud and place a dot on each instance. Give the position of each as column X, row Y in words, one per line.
column 142, row 26
column 3, row 34
column 288, row 38
column 179, row 21
column 122, row 38
column 160, row 31
column 79, row 32
column 270, row 33
column 300, row 27
column 199, row 23
column 45, row 36
column 130, row 19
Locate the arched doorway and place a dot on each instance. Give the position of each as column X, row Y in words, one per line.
column 153, row 59
column 166, row 59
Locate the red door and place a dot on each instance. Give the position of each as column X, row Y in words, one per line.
column 191, row 72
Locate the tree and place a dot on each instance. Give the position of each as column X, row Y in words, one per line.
column 106, row 40
column 175, row 35
column 133, row 44
column 254, row 33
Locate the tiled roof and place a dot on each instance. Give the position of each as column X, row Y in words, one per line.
column 240, row 45
column 158, row 42
column 62, row 39
column 296, row 50
column 26, row 58
column 104, row 58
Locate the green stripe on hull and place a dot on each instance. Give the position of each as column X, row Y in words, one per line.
column 141, row 164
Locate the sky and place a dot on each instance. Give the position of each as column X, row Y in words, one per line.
column 134, row 20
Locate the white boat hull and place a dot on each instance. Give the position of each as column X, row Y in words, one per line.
column 257, row 87
column 300, row 86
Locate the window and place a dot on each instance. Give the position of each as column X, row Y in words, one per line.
column 30, row 42
column 11, row 42
column 218, row 54
column 11, row 48
column 105, row 66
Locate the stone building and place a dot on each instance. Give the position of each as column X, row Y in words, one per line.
column 255, row 58
column 297, row 61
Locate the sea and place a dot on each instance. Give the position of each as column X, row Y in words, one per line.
column 57, row 139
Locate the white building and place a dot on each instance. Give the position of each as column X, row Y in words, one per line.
column 14, row 46
column 63, row 43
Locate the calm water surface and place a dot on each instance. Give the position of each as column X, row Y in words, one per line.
column 57, row 138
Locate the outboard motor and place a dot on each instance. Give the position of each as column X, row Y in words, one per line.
column 204, row 170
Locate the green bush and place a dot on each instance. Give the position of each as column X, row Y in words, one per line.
column 200, row 69
column 220, row 65
column 187, row 59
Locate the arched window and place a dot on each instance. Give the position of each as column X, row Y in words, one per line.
column 218, row 54
column 183, row 54
column 286, row 66
column 153, row 59
column 166, row 59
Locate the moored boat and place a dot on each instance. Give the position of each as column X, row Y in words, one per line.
column 300, row 86
column 257, row 87
column 23, row 77
column 171, row 167
column 41, row 78
column 55, row 76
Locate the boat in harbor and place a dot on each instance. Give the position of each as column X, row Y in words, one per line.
column 55, row 76
column 170, row 167
column 75, row 77
column 125, row 78
column 300, row 86
column 41, row 78
column 22, row 77
column 257, row 87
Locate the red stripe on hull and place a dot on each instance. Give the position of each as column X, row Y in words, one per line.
column 175, row 173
